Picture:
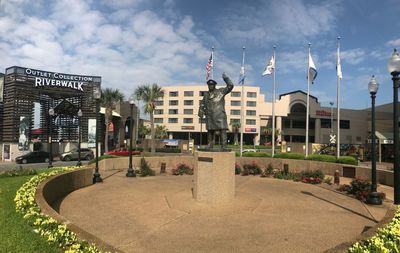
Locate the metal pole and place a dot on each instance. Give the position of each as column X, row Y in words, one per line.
column 96, row 177
column 50, row 142
column 396, row 138
column 242, row 111
column 338, row 109
column 131, row 171
column 137, row 124
column 79, row 163
column 273, row 107
column 308, row 97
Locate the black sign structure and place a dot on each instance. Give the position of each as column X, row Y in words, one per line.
column 65, row 93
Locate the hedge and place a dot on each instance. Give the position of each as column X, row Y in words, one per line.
column 322, row 158
column 347, row 160
column 297, row 156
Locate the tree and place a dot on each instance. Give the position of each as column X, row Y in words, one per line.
column 161, row 132
column 267, row 131
column 235, row 129
column 143, row 131
column 149, row 94
column 109, row 99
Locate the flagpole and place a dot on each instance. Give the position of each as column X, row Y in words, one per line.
column 273, row 107
column 338, row 108
column 212, row 69
column 242, row 109
column 308, row 96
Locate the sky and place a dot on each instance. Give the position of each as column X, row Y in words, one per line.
column 168, row 42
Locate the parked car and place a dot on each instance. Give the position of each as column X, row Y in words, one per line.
column 33, row 157
column 249, row 150
column 123, row 152
column 86, row 154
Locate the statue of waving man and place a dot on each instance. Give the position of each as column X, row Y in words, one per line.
column 212, row 107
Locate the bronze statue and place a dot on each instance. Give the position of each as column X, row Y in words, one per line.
column 213, row 108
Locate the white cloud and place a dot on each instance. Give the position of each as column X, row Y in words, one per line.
column 393, row 43
column 353, row 56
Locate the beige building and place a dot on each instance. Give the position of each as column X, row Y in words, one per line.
column 179, row 107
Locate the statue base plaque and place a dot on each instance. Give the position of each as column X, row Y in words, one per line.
column 214, row 177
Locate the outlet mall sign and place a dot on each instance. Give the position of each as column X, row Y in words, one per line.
column 46, row 78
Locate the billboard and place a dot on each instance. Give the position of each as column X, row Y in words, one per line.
column 92, row 133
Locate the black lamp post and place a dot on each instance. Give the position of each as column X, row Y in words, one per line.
column 394, row 70
column 51, row 114
column 131, row 171
column 97, row 95
column 79, row 163
column 373, row 197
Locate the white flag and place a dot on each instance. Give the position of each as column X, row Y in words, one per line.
column 269, row 69
column 312, row 70
column 338, row 65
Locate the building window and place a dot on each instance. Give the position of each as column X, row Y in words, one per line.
column 300, row 124
column 173, row 102
column 158, row 111
column 188, row 93
column 235, row 94
column 233, row 121
column 251, row 94
column 251, row 103
column 188, row 120
column 188, row 102
column 173, row 111
column 173, row 93
column 158, row 120
column 188, row 111
column 250, row 121
column 172, row 120
column 201, row 93
column 159, row 103
column 235, row 112
column 235, row 102
column 344, row 124
column 286, row 123
column 358, row 138
column 326, row 123
column 250, row 112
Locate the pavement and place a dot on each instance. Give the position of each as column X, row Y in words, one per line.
column 158, row 214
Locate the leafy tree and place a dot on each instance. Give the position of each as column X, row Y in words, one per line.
column 109, row 99
column 143, row 131
column 236, row 129
column 149, row 94
column 161, row 132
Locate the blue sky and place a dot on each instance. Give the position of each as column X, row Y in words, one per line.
column 133, row 42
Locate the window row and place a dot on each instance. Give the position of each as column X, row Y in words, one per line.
column 250, row 94
column 190, row 112
column 190, row 121
column 190, row 102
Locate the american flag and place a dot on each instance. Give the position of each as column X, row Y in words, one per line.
column 209, row 66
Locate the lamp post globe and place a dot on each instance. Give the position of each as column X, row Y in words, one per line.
column 51, row 114
column 394, row 70
column 97, row 95
column 79, row 163
column 131, row 171
column 373, row 197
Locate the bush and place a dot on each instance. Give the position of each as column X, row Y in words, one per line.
column 103, row 157
column 256, row 154
column 347, row 160
column 267, row 171
column 251, row 169
column 145, row 169
column 238, row 169
column 358, row 187
column 322, row 158
column 312, row 177
column 182, row 169
column 289, row 176
column 168, row 150
column 18, row 172
column 290, row 156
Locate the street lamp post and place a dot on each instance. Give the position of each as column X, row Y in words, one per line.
column 97, row 95
column 373, row 197
column 51, row 114
column 131, row 171
column 394, row 70
column 79, row 163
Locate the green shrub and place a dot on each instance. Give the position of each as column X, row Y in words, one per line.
column 347, row 160
column 257, row 154
column 312, row 177
column 168, row 150
column 103, row 157
column 182, row 169
column 289, row 176
column 18, row 172
column 322, row 158
column 358, row 187
column 251, row 169
column 238, row 169
column 145, row 169
column 290, row 156
column 267, row 171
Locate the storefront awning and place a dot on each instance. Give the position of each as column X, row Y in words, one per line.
column 103, row 111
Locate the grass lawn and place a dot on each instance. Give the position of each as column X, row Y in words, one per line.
column 16, row 235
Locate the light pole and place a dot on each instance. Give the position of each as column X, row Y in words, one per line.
column 394, row 70
column 331, row 103
column 79, row 163
column 137, row 125
column 131, row 171
column 51, row 114
column 373, row 197
column 97, row 95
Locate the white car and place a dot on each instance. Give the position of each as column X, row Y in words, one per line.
column 249, row 150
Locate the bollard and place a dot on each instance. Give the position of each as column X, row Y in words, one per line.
column 162, row 169
column 337, row 177
column 285, row 169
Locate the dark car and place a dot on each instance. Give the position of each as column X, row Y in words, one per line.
column 33, row 157
column 86, row 154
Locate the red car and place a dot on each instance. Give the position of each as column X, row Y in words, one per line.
column 123, row 152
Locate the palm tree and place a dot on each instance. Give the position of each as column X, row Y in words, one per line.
column 149, row 94
column 143, row 131
column 235, row 129
column 161, row 132
column 109, row 99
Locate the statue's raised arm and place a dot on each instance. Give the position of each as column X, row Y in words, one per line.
column 229, row 83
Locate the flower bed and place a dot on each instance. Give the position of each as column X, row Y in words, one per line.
column 44, row 225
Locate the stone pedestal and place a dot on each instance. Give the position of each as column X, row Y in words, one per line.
column 214, row 177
